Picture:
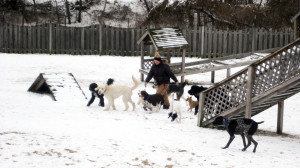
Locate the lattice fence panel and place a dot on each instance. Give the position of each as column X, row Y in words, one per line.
column 225, row 96
column 148, row 64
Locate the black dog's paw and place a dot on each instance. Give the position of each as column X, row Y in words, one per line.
column 174, row 116
column 170, row 114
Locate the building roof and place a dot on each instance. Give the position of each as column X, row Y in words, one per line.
column 164, row 38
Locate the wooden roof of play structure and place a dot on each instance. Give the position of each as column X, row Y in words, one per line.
column 61, row 86
column 164, row 38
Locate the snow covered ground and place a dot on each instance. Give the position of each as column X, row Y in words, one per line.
column 36, row 131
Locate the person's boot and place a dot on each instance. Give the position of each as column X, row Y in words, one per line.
column 165, row 107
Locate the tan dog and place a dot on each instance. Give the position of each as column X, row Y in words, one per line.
column 192, row 104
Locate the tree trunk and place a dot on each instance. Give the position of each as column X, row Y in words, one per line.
column 35, row 13
column 68, row 12
column 79, row 12
column 147, row 6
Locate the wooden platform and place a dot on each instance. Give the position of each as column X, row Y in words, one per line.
column 209, row 65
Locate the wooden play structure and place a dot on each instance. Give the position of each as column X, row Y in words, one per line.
column 162, row 39
column 172, row 38
column 60, row 86
column 263, row 84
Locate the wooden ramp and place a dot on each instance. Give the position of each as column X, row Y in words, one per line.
column 61, row 86
column 263, row 84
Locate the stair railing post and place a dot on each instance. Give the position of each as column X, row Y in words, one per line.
column 250, row 82
column 201, row 109
column 280, row 117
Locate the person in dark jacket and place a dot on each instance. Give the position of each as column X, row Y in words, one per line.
column 162, row 74
column 95, row 94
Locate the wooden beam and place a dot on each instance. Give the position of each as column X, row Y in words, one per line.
column 212, row 77
column 183, row 65
column 280, row 117
column 251, row 75
column 142, row 60
column 201, row 109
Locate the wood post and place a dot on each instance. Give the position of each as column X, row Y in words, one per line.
column 100, row 28
column 142, row 60
column 200, row 109
column 183, row 65
column 280, row 117
column 50, row 38
column 212, row 77
column 228, row 72
column 251, row 75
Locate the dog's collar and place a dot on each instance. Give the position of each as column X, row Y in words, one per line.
column 225, row 121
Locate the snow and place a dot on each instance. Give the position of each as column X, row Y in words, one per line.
column 36, row 131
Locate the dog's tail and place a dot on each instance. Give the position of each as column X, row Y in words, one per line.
column 110, row 81
column 260, row 122
column 136, row 83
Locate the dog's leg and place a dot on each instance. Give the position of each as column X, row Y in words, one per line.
column 179, row 117
column 255, row 144
column 244, row 141
column 250, row 139
column 110, row 103
column 125, row 101
column 132, row 103
column 229, row 142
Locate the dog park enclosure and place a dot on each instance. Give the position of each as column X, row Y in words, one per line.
column 60, row 86
column 205, row 42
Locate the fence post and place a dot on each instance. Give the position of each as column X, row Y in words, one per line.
column 100, row 28
column 251, row 75
column 82, row 41
column 195, row 34
column 253, row 39
column 50, row 38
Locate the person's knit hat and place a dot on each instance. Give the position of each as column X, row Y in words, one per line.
column 157, row 56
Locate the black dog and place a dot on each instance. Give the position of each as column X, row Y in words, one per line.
column 95, row 94
column 152, row 102
column 195, row 91
column 178, row 89
column 241, row 126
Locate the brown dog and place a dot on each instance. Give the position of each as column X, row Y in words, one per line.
column 192, row 104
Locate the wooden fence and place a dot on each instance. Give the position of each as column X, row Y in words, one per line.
column 104, row 40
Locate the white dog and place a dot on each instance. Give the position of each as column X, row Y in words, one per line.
column 175, row 113
column 111, row 92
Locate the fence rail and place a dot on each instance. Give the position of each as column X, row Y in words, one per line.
column 104, row 40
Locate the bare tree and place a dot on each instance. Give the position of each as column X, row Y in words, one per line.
column 147, row 6
column 68, row 13
column 35, row 12
column 79, row 11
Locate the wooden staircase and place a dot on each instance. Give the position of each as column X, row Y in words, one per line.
column 263, row 84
